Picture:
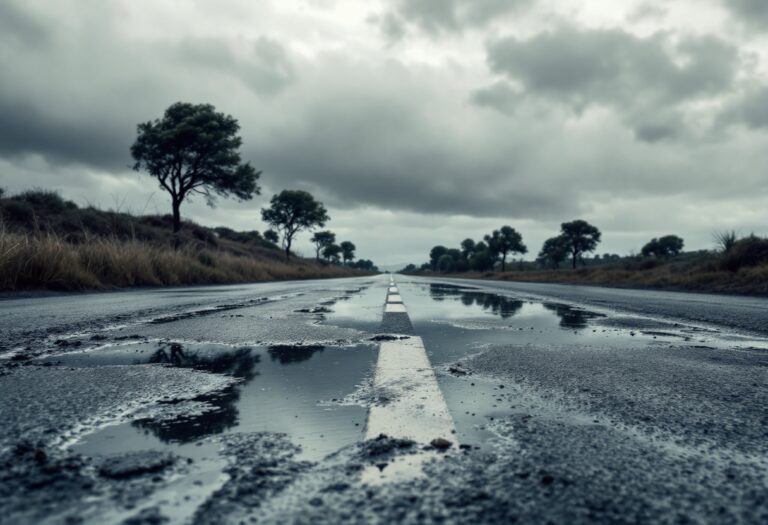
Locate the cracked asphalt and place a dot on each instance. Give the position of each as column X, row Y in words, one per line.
column 248, row 404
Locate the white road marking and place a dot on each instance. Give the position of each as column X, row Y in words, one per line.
column 394, row 298
column 415, row 410
column 393, row 289
column 395, row 308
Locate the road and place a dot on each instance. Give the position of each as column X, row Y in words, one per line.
column 370, row 401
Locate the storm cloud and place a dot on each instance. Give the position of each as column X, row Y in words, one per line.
column 463, row 116
column 436, row 17
column 647, row 80
column 754, row 13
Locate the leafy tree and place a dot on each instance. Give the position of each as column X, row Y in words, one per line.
column 446, row 263
column 435, row 254
column 667, row 246
column 290, row 212
column 332, row 252
column 347, row 251
column 365, row 265
column 191, row 150
column 554, row 251
column 467, row 248
column 272, row 236
column 482, row 258
column 581, row 237
column 321, row 240
column 505, row 241
column 409, row 268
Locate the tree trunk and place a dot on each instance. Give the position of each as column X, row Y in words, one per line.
column 176, row 204
column 503, row 262
column 288, row 249
column 574, row 260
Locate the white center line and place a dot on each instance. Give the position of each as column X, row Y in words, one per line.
column 415, row 408
column 394, row 308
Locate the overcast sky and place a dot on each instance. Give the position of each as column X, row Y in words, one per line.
column 417, row 122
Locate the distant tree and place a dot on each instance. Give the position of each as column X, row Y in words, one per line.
column 505, row 241
column 581, row 237
column 365, row 265
column 554, row 251
column 409, row 268
column 347, row 251
column 482, row 259
column 291, row 211
column 191, row 150
column 467, row 248
column 321, row 240
column 446, row 263
column 272, row 236
column 435, row 254
column 332, row 252
column 664, row 247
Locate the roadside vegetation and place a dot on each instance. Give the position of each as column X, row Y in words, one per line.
column 192, row 150
column 47, row 242
column 736, row 265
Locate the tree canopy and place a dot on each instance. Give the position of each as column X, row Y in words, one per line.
column 272, row 236
column 321, row 240
column 505, row 241
column 347, row 251
column 332, row 252
column 434, row 255
column 581, row 237
column 664, row 247
column 292, row 211
column 554, row 251
column 193, row 149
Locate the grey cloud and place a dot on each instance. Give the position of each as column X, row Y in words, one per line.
column 500, row 96
column 26, row 128
column 446, row 16
column 399, row 152
column 582, row 67
column 647, row 11
column 749, row 109
column 264, row 67
column 77, row 96
column 608, row 67
column 754, row 13
column 18, row 26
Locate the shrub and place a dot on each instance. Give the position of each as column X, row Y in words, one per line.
column 46, row 201
column 750, row 251
column 18, row 212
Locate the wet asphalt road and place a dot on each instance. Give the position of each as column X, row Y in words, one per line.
column 243, row 404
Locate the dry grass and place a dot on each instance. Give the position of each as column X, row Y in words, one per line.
column 47, row 261
column 752, row 280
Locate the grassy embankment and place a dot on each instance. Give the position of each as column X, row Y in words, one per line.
column 49, row 243
column 743, row 270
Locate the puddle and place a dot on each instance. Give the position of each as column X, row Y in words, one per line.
column 283, row 389
column 359, row 309
column 457, row 321
column 291, row 389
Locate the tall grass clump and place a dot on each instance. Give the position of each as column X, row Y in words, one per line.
column 47, row 261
